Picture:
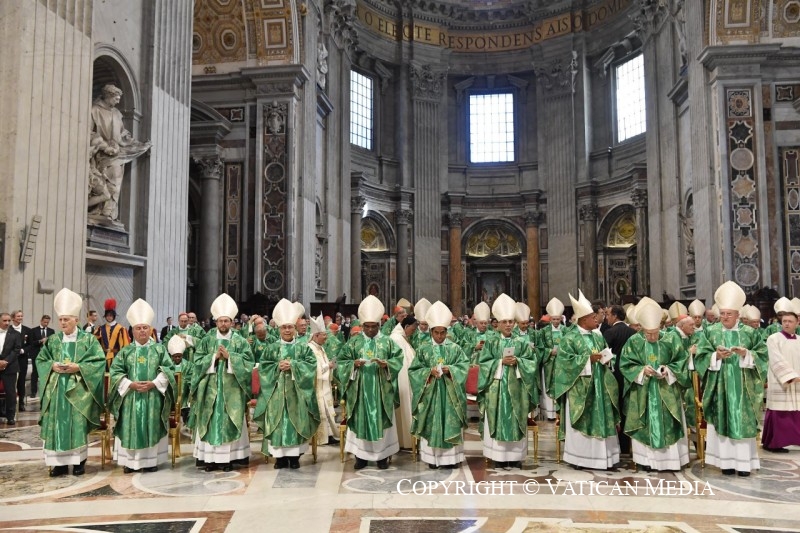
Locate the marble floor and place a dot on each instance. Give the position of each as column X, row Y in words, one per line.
column 544, row 496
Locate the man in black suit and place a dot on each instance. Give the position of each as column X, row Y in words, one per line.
column 38, row 336
column 24, row 332
column 166, row 329
column 10, row 348
column 616, row 335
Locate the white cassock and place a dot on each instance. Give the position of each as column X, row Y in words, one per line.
column 327, row 414
column 503, row 451
column 403, row 413
column 582, row 450
column 230, row 451
column 145, row 457
column 726, row 453
column 67, row 457
column 674, row 456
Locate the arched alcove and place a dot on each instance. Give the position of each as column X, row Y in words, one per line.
column 617, row 254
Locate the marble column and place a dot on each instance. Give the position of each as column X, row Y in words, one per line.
column 209, row 263
column 356, row 212
column 639, row 199
column 403, row 218
column 455, row 264
column 588, row 215
column 533, row 282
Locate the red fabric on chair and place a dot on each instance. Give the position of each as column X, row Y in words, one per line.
column 255, row 383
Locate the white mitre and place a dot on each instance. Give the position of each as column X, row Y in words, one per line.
column 783, row 305
column 438, row 315
column 224, row 306
column 140, row 312
column 649, row 315
column 67, row 303
column 285, row 313
column 555, row 307
column 370, row 310
column 522, row 312
column 697, row 308
column 482, row 312
column 677, row 309
column 421, row 309
column 176, row 345
column 581, row 307
column 317, row 325
column 730, row 296
column 504, row 307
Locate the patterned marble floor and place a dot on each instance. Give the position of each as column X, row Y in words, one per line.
column 543, row 497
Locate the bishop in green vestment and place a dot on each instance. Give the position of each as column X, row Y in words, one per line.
column 141, row 395
column 508, row 389
column 438, row 375
column 222, row 374
column 654, row 365
column 732, row 361
column 587, row 392
column 368, row 366
column 287, row 410
column 549, row 338
column 71, row 366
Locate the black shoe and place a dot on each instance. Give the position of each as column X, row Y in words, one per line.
column 743, row 474
column 500, row 464
column 776, row 450
column 151, row 469
column 294, row 463
column 728, row 471
column 450, row 467
column 383, row 464
column 11, row 422
column 433, row 467
column 360, row 463
column 332, row 441
column 643, row 467
column 227, row 467
column 211, row 467
column 78, row 470
column 128, row 470
column 242, row 462
column 21, row 407
column 199, row 464
column 281, row 462
column 57, row 471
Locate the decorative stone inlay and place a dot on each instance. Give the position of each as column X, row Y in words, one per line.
column 742, row 159
column 739, row 103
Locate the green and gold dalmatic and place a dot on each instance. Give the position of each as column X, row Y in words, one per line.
column 593, row 408
column 221, row 397
column 507, row 402
column 654, row 414
column 142, row 418
column 71, row 403
column 439, row 406
column 733, row 395
column 371, row 396
column 287, row 410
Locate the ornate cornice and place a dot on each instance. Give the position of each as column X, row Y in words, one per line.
column 560, row 75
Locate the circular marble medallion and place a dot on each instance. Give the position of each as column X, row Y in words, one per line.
column 742, row 159
column 747, row 274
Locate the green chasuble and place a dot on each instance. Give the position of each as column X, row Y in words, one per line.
column 593, row 408
column 439, row 405
column 388, row 326
column 221, row 397
column 71, row 403
column 188, row 353
column 507, row 402
column 549, row 338
column 654, row 409
column 419, row 338
column 287, row 409
column 732, row 396
column 370, row 392
column 142, row 417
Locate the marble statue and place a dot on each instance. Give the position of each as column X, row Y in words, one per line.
column 112, row 146
column 322, row 65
